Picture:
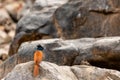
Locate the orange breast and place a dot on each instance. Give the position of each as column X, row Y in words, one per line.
column 38, row 55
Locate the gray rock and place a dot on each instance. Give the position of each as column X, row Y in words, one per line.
column 88, row 18
column 1, row 61
column 50, row 71
column 36, row 25
column 69, row 20
column 102, row 52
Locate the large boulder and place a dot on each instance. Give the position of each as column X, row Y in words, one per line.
column 75, row 19
column 50, row 71
column 101, row 52
column 104, row 52
column 37, row 24
column 88, row 18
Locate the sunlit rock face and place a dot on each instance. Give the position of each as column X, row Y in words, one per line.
column 50, row 71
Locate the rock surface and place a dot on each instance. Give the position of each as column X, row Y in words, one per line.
column 102, row 52
column 50, row 71
column 7, row 24
column 37, row 24
column 66, row 19
column 10, row 12
column 75, row 19
column 88, row 18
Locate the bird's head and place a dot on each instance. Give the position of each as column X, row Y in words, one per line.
column 39, row 47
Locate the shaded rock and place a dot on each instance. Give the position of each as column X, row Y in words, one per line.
column 88, row 18
column 36, row 25
column 50, row 71
column 101, row 52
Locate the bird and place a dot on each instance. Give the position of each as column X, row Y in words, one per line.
column 38, row 56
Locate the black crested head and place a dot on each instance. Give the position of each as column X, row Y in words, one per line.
column 39, row 47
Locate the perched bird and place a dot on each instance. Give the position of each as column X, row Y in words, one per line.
column 38, row 55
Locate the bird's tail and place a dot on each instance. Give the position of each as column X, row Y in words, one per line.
column 36, row 70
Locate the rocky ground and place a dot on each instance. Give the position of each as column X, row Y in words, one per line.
column 7, row 27
column 10, row 13
column 50, row 71
column 81, row 39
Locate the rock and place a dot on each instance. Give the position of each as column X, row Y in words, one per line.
column 3, row 56
column 3, row 34
column 10, row 27
column 49, row 3
column 88, row 18
column 4, row 51
column 6, row 23
column 25, row 8
column 11, row 34
column 4, row 48
column 4, row 17
column 1, row 61
column 68, row 20
column 50, row 71
column 102, row 52
column 36, row 25
column 2, row 28
column 4, row 37
column 14, row 8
